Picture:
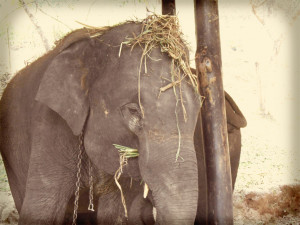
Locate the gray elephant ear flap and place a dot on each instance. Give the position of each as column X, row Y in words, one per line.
column 234, row 115
column 62, row 88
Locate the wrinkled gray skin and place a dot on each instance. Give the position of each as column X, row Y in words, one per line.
column 83, row 85
column 142, row 209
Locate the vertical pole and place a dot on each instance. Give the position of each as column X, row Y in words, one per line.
column 209, row 67
column 168, row 7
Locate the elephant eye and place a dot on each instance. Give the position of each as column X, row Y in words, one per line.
column 133, row 109
column 132, row 116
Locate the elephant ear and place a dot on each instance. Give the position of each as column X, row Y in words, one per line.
column 234, row 115
column 62, row 87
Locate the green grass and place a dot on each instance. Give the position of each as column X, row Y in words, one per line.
column 127, row 151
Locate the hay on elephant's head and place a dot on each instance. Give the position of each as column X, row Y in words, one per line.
column 163, row 31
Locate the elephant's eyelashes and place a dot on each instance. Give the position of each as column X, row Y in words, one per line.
column 132, row 117
column 133, row 111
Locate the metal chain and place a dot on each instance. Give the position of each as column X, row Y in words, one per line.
column 91, row 194
column 81, row 147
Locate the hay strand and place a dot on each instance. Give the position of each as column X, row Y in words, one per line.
column 125, row 154
column 174, row 74
column 163, row 31
column 123, row 162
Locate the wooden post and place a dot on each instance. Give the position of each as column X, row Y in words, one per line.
column 209, row 67
column 168, row 7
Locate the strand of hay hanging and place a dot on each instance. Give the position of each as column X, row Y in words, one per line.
column 125, row 154
column 163, row 31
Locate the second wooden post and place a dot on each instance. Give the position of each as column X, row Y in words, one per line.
column 209, row 70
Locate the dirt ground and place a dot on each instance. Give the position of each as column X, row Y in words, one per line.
column 8, row 212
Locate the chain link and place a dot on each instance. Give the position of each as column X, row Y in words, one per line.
column 91, row 183
column 91, row 194
column 81, row 147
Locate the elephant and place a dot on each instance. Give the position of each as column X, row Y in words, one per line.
column 85, row 87
column 141, row 209
column 91, row 92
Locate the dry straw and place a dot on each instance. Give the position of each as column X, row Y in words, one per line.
column 163, row 31
column 125, row 154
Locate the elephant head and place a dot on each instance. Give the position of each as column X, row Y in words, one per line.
column 106, row 91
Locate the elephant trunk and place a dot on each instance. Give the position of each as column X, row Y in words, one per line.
column 176, row 208
column 174, row 184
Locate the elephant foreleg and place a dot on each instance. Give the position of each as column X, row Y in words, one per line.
column 43, row 207
column 51, row 177
column 48, row 191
